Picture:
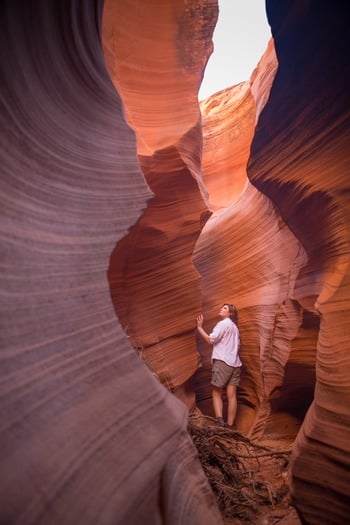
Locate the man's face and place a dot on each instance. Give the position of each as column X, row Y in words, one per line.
column 224, row 311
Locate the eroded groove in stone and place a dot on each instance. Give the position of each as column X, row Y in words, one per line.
column 253, row 260
column 300, row 159
column 86, row 431
column 155, row 288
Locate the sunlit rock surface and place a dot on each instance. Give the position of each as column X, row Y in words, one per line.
column 87, row 434
column 108, row 252
column 228, row 122
column 154, row 285
column 228, row 126
column 239, row 252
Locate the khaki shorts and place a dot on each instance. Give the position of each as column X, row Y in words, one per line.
column 224, row 375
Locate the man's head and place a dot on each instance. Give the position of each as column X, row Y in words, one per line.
column 229, row 310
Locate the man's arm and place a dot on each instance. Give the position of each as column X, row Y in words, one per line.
column 201, row 330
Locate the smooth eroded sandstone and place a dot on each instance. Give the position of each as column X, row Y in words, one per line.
column 88, row 435
column 300, row 160
column 120, row 221
column 155, row 288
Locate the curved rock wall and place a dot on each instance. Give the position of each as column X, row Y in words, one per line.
column 300, row 160
column 269, row 274
column 87, row 434
column 284, row 258
column 155, row 288
column 228, row 124
column 99, row 224
column 246, row 254
column 253, row 260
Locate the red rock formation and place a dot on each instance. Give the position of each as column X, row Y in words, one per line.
column 258, row 270
column 300, row 159
column 285, row 262
column 87, row 434
column 228, row 126
column 154, row 286
column 156, row 54
column 236, row 262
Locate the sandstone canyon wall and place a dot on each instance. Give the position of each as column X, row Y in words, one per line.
column 248, row 255
column 247, row 251
column 282, row 255
column 154, row 286
column 87, row 435
column 300, row 160
column 118, row 224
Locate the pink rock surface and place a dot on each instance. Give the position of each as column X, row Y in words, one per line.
column 154, row 286
column 282, row 255
column 109, row 250
column 87, row 434
column 300, row 160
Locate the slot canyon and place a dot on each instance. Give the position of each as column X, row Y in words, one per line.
column 128, row 207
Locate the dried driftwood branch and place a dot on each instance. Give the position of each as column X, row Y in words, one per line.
column 231, row 463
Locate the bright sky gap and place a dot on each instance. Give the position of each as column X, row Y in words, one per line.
column 240, row 39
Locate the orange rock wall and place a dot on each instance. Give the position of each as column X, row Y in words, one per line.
column 155, row 288
column 284, row 259
column 246, row 254
column 253, row 260
column 263, row 250
column 228, row 125
column 118, row 225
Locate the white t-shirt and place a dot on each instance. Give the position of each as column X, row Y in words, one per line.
column 225, row 341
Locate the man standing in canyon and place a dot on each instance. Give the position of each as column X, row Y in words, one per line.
column 226, row 364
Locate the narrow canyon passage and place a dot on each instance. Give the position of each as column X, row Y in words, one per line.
column 127, row 208
column 272, row 219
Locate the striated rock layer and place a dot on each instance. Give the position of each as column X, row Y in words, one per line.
column 300, row 160
column 239, row 252
column 154, row 287
column 115, row 231
column 87, row 434
column 282, row 255
column 228, row 120
column 254, row 250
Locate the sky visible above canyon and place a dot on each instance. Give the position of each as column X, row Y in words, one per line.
column 240, row 39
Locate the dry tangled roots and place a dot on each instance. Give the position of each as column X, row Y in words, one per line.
column 244, row 476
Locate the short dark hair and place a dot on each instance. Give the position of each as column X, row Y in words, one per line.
column 233, row 312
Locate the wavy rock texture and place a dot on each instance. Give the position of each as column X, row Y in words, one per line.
column 97, row 255
column 283, row 255
column 228, row 125
column 88, row 435
column 257, row 268
column 300, row 160
column 155, row 288
column 237, row 260
column 228, row 121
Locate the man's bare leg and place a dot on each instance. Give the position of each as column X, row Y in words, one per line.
column 231, row 404
column 217, row 401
